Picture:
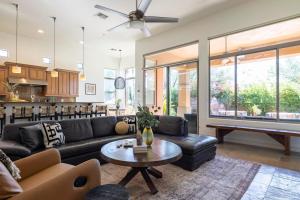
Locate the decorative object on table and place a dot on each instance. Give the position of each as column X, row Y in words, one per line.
column 118, row 103
column 108, row 192
column 52, row 134
column 142, row 149
column 90, row 89
column 120, row 82
column 11, row 88
column 122, row 128
column 139, row 138
column 11, row 167
column 146, row 120
column 128, row 144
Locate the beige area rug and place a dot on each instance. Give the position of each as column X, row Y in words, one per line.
column 219, row 179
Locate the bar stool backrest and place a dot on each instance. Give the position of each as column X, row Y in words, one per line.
column 101, row 108
column 2, row 112
column 17, row 111
column 28, row 111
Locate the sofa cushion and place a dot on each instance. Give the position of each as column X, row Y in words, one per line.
column 14, row 149
column 104, row 126
column 171, row 125
column 192, row 143
column 87, row 146
column 9, row 186
column 44, row 176
column 32, row 137
column 77, row 130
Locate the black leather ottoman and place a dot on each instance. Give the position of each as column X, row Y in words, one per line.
column 196, row 149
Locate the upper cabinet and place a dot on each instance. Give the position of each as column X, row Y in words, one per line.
column 52, row 87
column 37, row 73
column 23, row 74
column 3, row 78
column 74, row 84
column 63, row 83
column 30, row 72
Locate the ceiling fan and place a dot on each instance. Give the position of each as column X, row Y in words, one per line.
column 137, row 18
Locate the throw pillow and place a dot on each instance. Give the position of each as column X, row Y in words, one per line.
column 122, row 128
column 32, row 137
column 9, row 186
column 11, row 167
column 53, row 135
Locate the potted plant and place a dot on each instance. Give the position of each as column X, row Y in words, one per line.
column 118, row 103
column 146, row 120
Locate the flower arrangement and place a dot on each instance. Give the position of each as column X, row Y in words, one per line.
column 146, row 119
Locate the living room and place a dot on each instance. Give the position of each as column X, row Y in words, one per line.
column 110, row 101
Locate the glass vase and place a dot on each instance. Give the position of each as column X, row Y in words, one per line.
column 148, row 136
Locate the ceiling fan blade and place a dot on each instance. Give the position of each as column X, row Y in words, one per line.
column 146, row 31
column 154, row 19
column 143, row 6
column 111, row 11
column 119, row 26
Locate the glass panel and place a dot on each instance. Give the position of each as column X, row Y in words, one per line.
column 110, row 73
column 150, row 87
column 222, row 95
column 278, row 33
column 161, row 91
column 109, row 91
column 183, row 90
column 172, row 56
column 130, row 91
column 256, row 81
column 289, row 74
column 130, row 73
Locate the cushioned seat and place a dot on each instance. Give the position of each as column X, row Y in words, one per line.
column 44, row 176
column 14, row 149
column 192, row 143
column 87, row 146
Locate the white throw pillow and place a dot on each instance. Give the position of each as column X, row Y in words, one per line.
column 53, row 135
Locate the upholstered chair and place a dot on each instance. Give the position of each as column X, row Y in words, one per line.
column 45, row 177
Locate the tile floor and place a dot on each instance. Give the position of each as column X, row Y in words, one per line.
column 278, row 177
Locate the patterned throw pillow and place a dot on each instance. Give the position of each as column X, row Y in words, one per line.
column 11, row 167
column 53, row 135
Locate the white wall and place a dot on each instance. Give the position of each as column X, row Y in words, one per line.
column 31, row 51
column 248, row 14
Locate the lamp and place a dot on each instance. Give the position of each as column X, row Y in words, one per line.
column 120, row 81
column 54, row 73
column 82, row 76
column 16, row 69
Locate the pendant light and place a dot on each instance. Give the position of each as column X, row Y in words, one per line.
column 226, row 60
column 54, row 73
column 82, row 76
column 120, row 81
column 17, row 69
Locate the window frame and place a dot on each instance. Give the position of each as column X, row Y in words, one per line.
column 277, row 48
column 109, row 78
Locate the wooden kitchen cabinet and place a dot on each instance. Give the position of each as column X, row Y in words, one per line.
column 74, row 84
column 52, row 87
column 37, row 73
column 3, row 78
column 63, row 83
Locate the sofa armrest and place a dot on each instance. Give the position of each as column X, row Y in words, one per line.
column 62, row 187
column 14, row 150
column 37, row 162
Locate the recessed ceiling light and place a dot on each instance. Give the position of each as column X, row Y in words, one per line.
column 40, row 31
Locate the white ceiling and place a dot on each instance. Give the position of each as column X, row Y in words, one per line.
column 72, row 14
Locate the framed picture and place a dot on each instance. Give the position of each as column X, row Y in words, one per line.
column 90, row 89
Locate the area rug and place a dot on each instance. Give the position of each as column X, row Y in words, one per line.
column 219, row 179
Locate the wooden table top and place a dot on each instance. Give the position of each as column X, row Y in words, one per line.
column 160, row 153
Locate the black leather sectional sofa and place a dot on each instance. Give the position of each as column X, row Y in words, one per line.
column 85, row 137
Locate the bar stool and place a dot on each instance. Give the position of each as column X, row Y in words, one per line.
column 2, row 118
column 100, row 110
column 86, row 111
column 22, row 113
column 68, row 111
column 47, row 112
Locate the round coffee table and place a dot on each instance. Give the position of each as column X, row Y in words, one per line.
column 160, row 153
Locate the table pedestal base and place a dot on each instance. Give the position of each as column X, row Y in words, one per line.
column 145, row 171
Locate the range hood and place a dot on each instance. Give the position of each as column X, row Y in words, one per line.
column 24, row 81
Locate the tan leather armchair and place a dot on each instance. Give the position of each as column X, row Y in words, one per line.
column 44, row 177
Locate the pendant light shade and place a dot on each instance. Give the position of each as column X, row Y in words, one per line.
column 17, row 69
column 120, row 81
column 82, row 76
column 54, row 73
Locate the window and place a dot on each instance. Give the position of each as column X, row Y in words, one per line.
column 109, row 87
column 130, row 86
column 255, row 74
column 3, row 53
